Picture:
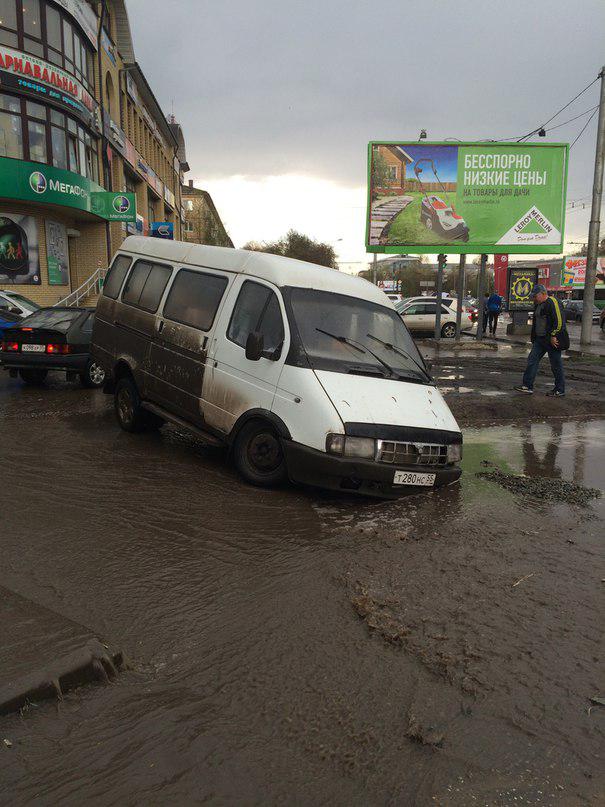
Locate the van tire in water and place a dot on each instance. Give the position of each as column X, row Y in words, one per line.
column 33, row 378
column 127, row 402
column 258, row 455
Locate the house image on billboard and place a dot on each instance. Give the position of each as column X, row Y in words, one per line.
column 389, row 169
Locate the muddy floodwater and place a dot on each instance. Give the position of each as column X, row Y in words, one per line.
column 294, row 647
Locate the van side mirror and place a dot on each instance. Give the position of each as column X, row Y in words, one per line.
column 255, row 344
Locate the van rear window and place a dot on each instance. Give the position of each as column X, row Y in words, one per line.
column 115, row 276
column 145, row 285
column 194, row 298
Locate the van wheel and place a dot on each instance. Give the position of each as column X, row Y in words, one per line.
column 448, row 331
column 93, row 377
column 258, row 455
column 129, row 413
column 33, row 378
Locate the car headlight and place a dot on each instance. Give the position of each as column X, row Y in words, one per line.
column 362, row 447
column 454, row 452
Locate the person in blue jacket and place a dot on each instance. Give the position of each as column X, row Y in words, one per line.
column 494, row 308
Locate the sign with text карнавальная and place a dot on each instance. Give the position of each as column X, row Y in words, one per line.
column 466, row 197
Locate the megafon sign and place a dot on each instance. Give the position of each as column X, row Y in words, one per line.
column 466, row 197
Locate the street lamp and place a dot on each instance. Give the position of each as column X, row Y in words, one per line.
column 422, row 135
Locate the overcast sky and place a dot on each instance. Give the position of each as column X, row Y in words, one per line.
column 278, row 100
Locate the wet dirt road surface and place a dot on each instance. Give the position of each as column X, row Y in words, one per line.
column 297, row 647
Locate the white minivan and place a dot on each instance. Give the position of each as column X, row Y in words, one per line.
column 304, row 372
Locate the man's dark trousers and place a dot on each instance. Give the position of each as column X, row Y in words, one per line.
column 539, row 348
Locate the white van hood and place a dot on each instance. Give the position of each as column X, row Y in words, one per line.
column 360, row 399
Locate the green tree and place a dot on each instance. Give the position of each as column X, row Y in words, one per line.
column 299, row 246
column 380, row 170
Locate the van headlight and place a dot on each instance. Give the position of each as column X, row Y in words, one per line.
column 454, row 453
column 361, row 447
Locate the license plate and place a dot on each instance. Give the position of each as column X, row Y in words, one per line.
column 33, row 348
column 412, row 478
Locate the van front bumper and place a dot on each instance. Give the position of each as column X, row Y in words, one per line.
column 307, row 466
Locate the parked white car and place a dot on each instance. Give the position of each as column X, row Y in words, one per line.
column 420, row 317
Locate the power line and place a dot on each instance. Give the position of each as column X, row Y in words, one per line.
column 569, row 103
column 583, row 129
column 581, row 115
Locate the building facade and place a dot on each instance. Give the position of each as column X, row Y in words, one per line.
column 86, row 154
column 202, row 223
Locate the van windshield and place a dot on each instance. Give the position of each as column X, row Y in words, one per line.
column 349, row 335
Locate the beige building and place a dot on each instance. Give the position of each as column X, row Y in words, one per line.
column 202, row 223
column 80, row 130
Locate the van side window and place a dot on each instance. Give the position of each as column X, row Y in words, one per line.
column 257, row 309
column 145, row 285
column 115, row 276
column 194, row 298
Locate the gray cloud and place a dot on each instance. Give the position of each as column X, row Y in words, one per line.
column 266, row 87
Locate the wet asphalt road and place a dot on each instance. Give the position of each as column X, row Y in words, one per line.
column 295, row 647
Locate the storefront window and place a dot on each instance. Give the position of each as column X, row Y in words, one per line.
column 59, row 149
column 32, row 131
column 11, row 136
column 37, row 141
column 31, row 18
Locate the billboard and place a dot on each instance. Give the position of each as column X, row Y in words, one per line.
column 19, row 251
column 573, row 272
column 466, row 197
column 57, row 253
column 520, row 285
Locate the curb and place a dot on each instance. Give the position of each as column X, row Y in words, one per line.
column 90, row 663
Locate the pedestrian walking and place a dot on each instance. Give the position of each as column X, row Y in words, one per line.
column 494, row 307
column 549, row 336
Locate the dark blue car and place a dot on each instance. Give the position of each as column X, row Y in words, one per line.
column 7, row 320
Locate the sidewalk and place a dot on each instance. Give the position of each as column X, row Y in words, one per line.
column 43, row 654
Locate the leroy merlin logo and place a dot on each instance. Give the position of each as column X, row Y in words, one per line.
column 532, row 228
column 37, row 182
column 121, row 204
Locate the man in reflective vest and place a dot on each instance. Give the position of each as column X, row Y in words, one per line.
column 548, row 336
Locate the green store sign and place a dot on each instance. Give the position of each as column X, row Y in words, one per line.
column 34, row 183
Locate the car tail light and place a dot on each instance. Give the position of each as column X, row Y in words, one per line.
column 27, row 329
column 10, row 347
column 58, row 349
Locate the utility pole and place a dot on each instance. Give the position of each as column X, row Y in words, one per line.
column 441, row 261
column 481, row 303
column 374, row 268
column 461, row 283
column 595, row 223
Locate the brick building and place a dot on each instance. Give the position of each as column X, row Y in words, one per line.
column 202, row 223
column 86, row 154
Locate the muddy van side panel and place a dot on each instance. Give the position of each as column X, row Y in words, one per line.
column 235, row 385
column 178, row 352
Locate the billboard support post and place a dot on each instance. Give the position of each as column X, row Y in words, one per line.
column 480, row 301
column 461, row 284
column 374, row 268
column 595, row 222
column 441, row 261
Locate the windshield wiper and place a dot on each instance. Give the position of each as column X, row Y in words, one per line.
column 398, row 350
column 358, row 346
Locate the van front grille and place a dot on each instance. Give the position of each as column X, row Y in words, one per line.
column 411, row 453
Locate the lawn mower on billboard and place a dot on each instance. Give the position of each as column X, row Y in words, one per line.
column 438, row 215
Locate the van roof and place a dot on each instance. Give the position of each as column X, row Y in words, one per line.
column 272, row 268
